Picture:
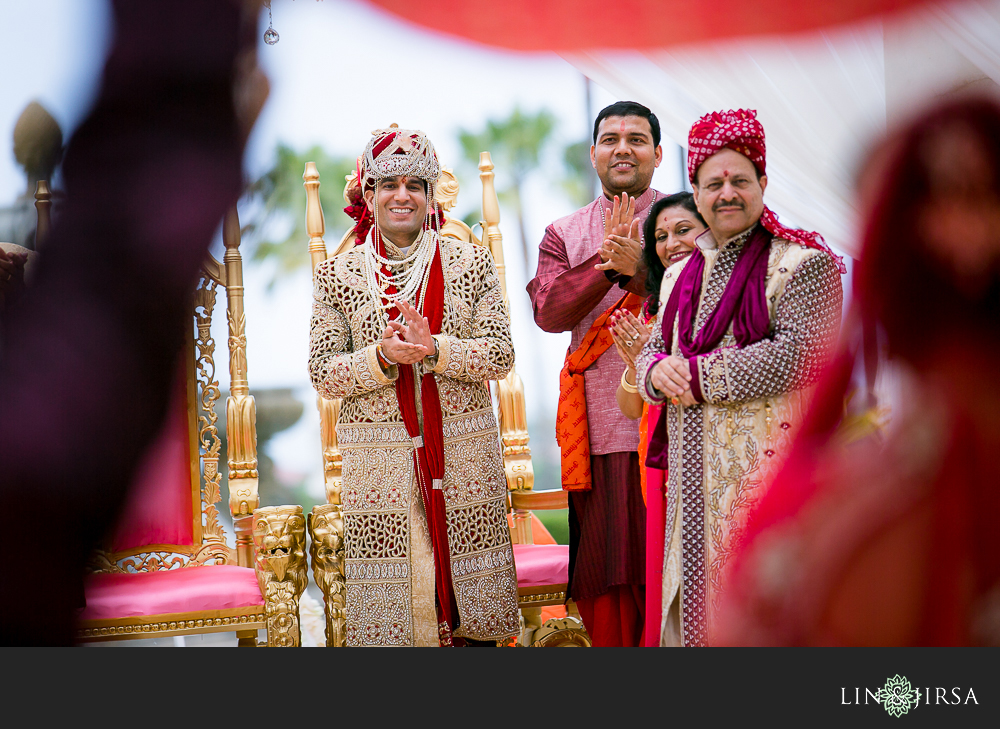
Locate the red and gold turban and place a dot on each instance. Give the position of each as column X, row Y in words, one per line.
column 741, row 132
column 736, row 130
column 391, row 152
column 396, row 152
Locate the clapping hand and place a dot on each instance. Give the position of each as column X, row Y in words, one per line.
column 622, row 214
column 622, row 247
column 629, row 334
column 407, row 343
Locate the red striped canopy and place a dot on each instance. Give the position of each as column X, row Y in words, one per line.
column 573, row 25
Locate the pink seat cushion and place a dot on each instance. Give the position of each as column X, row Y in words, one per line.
column 541, row 564
column 212, row 587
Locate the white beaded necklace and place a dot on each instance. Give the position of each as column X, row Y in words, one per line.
column 410, row 282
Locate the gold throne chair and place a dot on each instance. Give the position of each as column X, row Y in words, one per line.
column 168, row 569
column 542, row 569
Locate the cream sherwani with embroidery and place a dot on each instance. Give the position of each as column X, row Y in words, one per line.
column 389, row 561
column 724, row 451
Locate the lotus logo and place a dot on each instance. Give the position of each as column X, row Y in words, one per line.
column 897, row 696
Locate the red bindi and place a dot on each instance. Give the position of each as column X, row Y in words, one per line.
column 622, row 127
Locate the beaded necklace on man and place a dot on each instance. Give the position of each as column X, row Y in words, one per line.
column 410, row 282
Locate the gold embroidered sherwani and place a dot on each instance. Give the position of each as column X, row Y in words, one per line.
column 724, row 451
column 389, row 561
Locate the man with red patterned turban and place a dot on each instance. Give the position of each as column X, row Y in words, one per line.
column 892, row 541
column 746, row 325
column 407, row 329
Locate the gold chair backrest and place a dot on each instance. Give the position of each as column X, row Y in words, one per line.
column 202, row 392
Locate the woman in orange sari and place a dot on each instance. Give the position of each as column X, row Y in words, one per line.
column 668, row 238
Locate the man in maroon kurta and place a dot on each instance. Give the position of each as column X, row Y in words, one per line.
column 578, row 278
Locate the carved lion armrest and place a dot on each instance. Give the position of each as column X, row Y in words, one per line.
column 279, row 536
column 326, row 529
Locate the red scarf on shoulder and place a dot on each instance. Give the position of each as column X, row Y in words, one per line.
column 428, row 452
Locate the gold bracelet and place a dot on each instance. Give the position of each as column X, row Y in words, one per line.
column 625, row 383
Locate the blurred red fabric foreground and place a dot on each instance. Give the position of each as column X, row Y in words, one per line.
column 572, row 25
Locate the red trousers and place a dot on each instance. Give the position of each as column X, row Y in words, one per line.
column 615, row 618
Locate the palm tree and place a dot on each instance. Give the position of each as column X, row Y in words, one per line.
column 281, row 204
column 580, row 183
column 516, row 144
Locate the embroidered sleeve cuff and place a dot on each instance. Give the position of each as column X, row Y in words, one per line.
column 713, row 376
column 440, row 364
column 695, row 379
column 654, row 394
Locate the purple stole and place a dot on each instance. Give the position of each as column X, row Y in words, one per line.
column 743, row 305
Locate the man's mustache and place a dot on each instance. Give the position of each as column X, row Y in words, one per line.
column 728, row 204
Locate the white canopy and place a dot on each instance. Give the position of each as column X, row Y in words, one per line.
column 823, row 97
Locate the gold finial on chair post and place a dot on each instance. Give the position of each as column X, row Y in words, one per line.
column 43, row 206
column 329, row 410
column 513, row 418
column 241, row 410
column 233, row 262
column 315, row 222
column 491, row 223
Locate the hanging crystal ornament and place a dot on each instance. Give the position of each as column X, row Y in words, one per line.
column 270, row 35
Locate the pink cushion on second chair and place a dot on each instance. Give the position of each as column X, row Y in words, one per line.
column 212, row 587
column 541, row 564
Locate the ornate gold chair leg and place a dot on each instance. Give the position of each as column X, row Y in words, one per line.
column 531, row 621
column 246, row 638
column 326, row 529
column 279, row 535
column 561, row 633
column 329, row 413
